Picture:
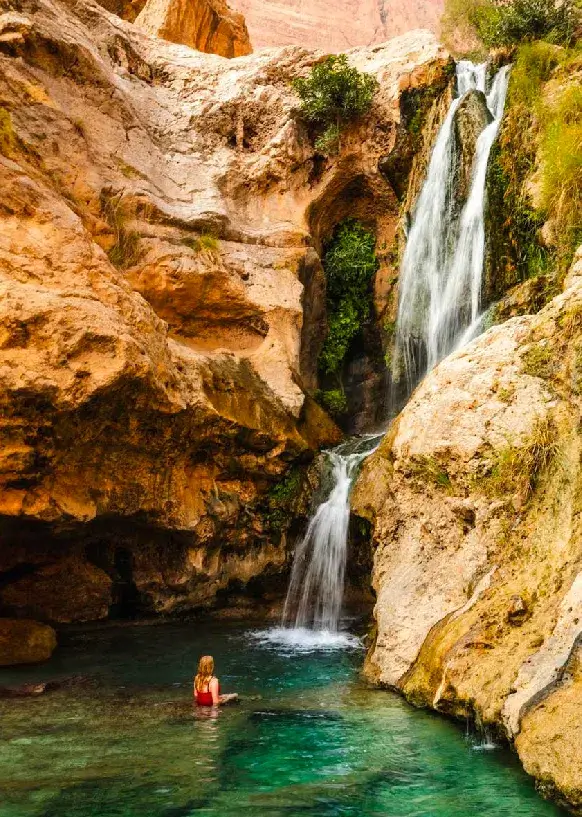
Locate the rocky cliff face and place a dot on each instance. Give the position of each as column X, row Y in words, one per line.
column 206, row 25
column 162, row 303
column 475, row 502
column 336, row 25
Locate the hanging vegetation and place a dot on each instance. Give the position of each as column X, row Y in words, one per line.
column 350, row 263
column 333, row 95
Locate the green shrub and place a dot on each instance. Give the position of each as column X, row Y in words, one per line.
column 511, row 22
column 329, row 141
column 333, row 95
column 350, row 263
column 343, row 324
column 335, row 401
column 498, row 23
column 286, row 490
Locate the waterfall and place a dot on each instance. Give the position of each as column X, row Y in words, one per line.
column 315, row 594
column 439, row 308
column 442, row 268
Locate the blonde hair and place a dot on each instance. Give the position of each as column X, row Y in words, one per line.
column 205, row 672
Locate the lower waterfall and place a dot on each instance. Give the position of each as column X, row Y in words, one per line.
column 315, row 594
column 439, row 310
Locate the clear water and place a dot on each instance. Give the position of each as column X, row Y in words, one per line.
column 316, row 588
column 308, row 738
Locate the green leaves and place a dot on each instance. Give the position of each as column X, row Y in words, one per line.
column 332, row 95
column 507, row 23
column 350, row 263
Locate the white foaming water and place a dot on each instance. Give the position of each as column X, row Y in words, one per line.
column 302, row 640
column 442, row 268
column 313, row 606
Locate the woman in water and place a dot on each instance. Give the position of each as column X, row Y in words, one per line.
column 206, row 686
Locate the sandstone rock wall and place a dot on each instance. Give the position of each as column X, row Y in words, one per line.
column 475, row 501
column 162, row 212
column 206, row 25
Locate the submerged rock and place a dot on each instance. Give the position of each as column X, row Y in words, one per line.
column 495, row 429
column 25, row 642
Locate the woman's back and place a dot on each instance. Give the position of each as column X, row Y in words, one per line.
column 204, row 695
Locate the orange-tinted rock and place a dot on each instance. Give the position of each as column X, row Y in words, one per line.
column 161, row 296
column 69, row 590
column 25, row 642
column 206, row 25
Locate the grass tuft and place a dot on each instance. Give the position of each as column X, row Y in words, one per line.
column 520, row 469
column 204, row 243
column 126, row 251
column 538, row 361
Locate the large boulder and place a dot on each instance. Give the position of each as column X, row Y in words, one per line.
column 206, row 25
column 67, row 591
column 25, row 642
column 471, row 118
column 474, row 498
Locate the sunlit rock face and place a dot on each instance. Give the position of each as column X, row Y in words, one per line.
column 163, row 301
column 206, row 25
column 335, row 25
column 475, row 501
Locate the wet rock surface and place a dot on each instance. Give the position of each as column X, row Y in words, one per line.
column 471, row 119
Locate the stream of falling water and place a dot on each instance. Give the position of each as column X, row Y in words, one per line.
column 442, row 270
column 439, row 310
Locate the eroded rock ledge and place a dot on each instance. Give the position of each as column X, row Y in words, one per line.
column 162, row 301
column 475, row 501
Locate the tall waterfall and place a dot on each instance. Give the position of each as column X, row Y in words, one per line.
column 314, row 597
column 442, row 268
column 440, row 303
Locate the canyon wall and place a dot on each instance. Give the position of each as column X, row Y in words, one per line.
column 163, row 306
column 206, row 25
column 335, row 25
column 475, row 501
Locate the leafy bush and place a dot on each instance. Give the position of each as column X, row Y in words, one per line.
column 332, row 95
column 335, row 401
column 510, row 22
column 350, row 263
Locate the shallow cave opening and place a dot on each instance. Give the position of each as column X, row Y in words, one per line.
column 356, row 395
column 126, row 598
